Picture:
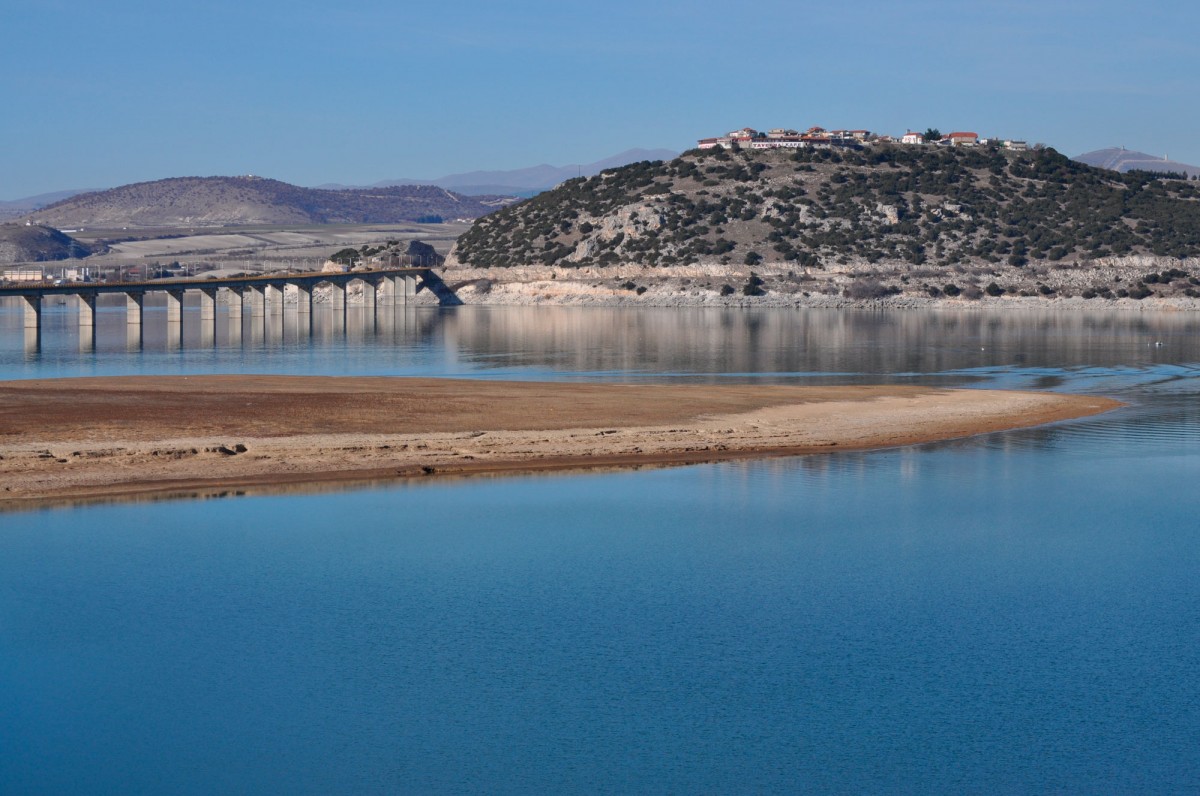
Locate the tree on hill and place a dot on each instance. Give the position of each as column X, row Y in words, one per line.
column 933, row 134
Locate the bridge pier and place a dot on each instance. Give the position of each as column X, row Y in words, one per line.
column 208, row 303
column 33, row 312
column 87, row 309
column 337, row 299
column 304, row 303
column 253, row 299
column 273, row 298
column 87, row 321
column 133, row 308
column 235, row 303
column 174, row 306
column 370, row 296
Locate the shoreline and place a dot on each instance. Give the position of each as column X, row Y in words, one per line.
column 838, row 285
column 143, row 437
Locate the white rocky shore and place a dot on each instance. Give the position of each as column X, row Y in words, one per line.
column 845, row 285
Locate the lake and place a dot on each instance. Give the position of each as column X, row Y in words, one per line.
column 1017, row 612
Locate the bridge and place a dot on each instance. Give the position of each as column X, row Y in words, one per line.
column 253, row 295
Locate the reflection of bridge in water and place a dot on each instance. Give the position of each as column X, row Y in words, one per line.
column 250, row 296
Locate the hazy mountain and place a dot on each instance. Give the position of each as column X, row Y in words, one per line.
column 217, row 201
column 15, row 208
column 527, row 181
column 1121, row 159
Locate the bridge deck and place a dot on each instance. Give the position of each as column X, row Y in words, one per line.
column 310, row 278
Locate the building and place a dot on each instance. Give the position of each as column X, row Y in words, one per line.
column 912, row 138
column 963, row 139
column 23, row 275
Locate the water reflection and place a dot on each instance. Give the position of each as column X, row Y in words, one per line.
column 1147, row 359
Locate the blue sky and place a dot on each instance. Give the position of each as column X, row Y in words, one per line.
column 100, row 94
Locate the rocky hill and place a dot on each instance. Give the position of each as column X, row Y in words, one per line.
column 35, row 244
column 223, row 201
column 882, row 222
column 920, row 205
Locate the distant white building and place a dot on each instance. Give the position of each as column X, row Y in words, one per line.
column 912, row 138
column 23, row 275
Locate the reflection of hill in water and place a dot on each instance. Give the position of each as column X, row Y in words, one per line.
column 876, row 345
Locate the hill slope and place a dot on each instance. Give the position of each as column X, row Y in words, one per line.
column 813, row 208
column 1123, row 160
column 186, row 201
column 33, row 244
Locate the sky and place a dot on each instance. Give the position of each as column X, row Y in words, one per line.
column 99, row 94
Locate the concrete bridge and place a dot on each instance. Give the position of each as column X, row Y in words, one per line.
column 255, row 295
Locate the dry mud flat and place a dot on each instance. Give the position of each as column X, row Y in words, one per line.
column 101, row 438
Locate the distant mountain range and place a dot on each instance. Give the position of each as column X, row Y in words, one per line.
column 1122, row 159
column 20, row 207
column 217, row 201
column 516, row 182
column 527, row 181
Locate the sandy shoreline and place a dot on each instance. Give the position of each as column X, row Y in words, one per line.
column 104, row 438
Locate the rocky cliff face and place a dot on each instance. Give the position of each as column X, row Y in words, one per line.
column 35, row 244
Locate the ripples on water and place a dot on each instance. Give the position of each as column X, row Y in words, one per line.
column 1012, row 613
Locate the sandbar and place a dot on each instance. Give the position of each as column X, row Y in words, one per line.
column 83, row 439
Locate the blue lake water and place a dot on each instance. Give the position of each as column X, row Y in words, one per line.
column 1014, row 613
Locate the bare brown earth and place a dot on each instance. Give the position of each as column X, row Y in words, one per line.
column 102, row 438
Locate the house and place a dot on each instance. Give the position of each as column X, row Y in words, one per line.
column 1016, row 146
column 860, row 135
column 745, row 134
column 912, row 138
column 963, row 139
column 783, row 133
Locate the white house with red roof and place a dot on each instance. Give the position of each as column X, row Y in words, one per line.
column 963, row 139
column 912, row 138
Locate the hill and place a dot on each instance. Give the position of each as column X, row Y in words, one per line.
column 918, row 205
column 829, row 227
column 220, row 201
column 1124, row 160
column 531, row 180
column 35, row 244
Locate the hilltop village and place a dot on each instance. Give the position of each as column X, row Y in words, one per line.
column 820, row 138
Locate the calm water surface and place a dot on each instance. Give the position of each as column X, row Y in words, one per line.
column 1014, row 613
